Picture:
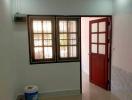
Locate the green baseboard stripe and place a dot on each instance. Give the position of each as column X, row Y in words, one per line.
column 55, row 93
column 61, row 93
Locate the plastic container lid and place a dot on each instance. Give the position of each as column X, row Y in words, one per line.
column 31, row 89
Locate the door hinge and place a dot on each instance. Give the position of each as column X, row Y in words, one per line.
column 109, row 85
column 109, row 23
column 108, row 59
column 108, row 82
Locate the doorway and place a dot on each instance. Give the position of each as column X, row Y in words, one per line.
column 96, row 35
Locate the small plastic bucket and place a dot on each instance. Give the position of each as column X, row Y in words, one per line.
column 31, row 92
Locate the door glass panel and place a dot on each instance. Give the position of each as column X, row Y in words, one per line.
column 94, row 48
column 94, row 38
column 101, row 38
column 72, row 51
column 101, row 49
column 62, row 26
column 94, row 27
column 38, row 52
column 37, row 42
column 47, row 27
column 71, row 26
column 37, row 27
column 63, row 51
column 48, row 52
column 102, row 26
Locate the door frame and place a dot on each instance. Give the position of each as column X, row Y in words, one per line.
column 110, row 58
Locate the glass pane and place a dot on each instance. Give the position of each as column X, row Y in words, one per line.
column 71, row 26
column 48, row 52
column 72, row 51
column 37, row 42
column 38, row 52
column 101, row 49
column 72, row 36
column 37, row 36
column 37, row 27
column 62, row 26
column 101, row 38
column 94, row 48
column 63, row 51
column 47, row 42
column 63, row 36
column 47, row 36
column 47, row 27
column 94, row 38
column 102, row 27
column 94, row 27
column 72, row 42
column 63, row 42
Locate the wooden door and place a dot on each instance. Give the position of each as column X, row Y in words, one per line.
column 100, row 52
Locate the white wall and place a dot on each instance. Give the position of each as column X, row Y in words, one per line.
column 7, row 68
column 122, row 35
column 85, row 44
column 65, row 7
column 50, row 77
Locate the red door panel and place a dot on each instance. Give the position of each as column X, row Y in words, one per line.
column 99, row 52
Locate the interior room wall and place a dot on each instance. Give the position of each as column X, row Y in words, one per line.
column 7, row 68
column 85, row 44
column 121, row 49
column 66, row 7
column 57, row 76
column 122, row 35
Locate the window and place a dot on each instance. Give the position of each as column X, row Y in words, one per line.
column 53, row 39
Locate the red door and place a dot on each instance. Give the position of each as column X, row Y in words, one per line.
column 100, row 52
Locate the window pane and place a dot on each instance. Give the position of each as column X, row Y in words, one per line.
column 94, row 48
column 37, row 36
column 102, row 27
column 94, row 27
column 38, row 52
column 72, row 42
column 101, row 49
column 48, row 52
column 63, row 42
column 72, row 51
column 63, row 36
column 47, row 27
column 37, row 42
column 102, row 38
column 37, row 27
column 63, row 51
column 72, row 36
column 71, row 26
column 62, row 26
column 94, row 38
column 47, row 36
column 47, row 42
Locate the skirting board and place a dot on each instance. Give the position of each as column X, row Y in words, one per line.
column 61, row 93
column 55, row 93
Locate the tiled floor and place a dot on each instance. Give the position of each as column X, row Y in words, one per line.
column 72, row 97
column 92, row 92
